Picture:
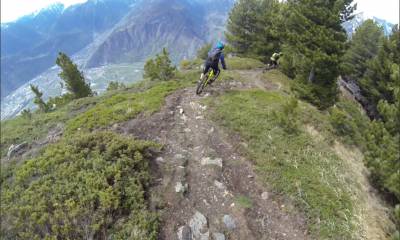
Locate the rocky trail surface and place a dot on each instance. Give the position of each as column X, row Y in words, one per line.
column 204, row 187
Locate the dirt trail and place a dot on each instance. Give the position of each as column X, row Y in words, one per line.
column 205, row 189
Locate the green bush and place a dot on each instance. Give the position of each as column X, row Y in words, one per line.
column 288, row 116
column 90, row 186
column 160, row 68
column 26, row 114
column 343, row 125
column 382, row 158
column 112, row 86
column 60, row 101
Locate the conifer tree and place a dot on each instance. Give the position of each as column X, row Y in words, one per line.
column 364, row 46
column 317, row 40
column 381, row 76
column 160, row 68
column 242, row 25
column 73, row 78
column 38, row 99
column 252, row 28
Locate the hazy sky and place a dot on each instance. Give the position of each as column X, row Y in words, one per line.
column 13, row 9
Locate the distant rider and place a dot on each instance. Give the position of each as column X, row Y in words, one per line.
column 215, row 55
column 274, row 59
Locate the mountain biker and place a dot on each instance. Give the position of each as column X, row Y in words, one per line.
column 215, row 55
column 274, row 59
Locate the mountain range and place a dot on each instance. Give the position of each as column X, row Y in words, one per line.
column 108, row 39
column 353, row 24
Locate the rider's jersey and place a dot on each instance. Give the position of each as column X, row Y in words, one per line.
column 275, row 56
column 216, row 55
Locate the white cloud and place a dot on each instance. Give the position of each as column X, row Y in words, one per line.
column 13, row 9
column 384, row 9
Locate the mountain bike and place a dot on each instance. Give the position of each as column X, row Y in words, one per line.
column 209, row 77
column 270, row 67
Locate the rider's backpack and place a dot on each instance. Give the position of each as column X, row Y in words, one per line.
column 214, row 55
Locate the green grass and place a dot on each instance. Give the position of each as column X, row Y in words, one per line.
column 293, row 163
column 20, row 129
column 93, row 112
column 238, row 63
column 123, row 106
column 244, row 202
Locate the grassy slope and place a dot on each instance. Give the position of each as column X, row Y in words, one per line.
column 92, row 112
column 48, row 169
column 306, row 170
column 298, row 165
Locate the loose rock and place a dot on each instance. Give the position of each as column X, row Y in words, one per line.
column 218, row 236
column 198, row 225
column 181, row 188
column 209, row 161
column 184, row 233
column 264, row 196
column 13, row 149
column 229, row 222
column 219, row 185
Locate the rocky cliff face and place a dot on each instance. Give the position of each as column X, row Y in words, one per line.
column 181, row 26
column 30, row 45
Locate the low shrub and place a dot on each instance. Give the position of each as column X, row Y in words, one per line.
column 288, row 116
column 90, row 186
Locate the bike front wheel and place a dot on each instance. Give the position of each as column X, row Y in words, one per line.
column 201, row 84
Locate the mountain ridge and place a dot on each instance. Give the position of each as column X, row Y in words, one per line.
column 191, row 24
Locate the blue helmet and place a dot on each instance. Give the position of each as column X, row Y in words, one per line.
column 220, row 45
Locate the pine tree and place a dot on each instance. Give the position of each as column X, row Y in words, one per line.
column 252, row 28
column 363, row 47
column 38, row 99
column 381, row 76
column 242, row 25
column 160, row 68
column 73, row 78
column 381, row 85
column 316, row 40
column 269, row 36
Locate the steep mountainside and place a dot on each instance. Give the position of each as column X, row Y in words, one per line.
column 353, row 24
column 179, row 25
column 30, row 45
column 103, row 46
